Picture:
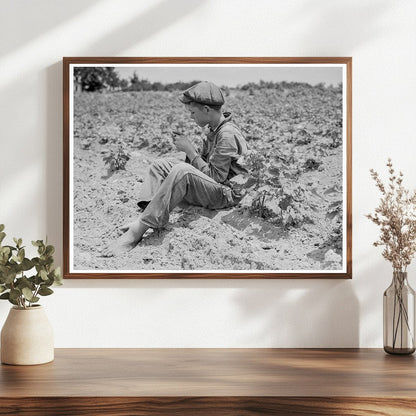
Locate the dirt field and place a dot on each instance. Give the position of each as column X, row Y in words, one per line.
column 290, row 219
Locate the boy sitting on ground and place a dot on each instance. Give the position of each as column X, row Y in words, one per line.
column 202, row 180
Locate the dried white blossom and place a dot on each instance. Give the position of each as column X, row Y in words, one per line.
column 396, row 216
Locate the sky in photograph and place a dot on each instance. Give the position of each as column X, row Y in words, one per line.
column 232, row 76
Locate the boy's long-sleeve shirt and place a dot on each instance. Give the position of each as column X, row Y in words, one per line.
column 221, row 151
column 202, row 181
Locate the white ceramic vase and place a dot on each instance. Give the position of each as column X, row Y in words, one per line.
column 27, row 337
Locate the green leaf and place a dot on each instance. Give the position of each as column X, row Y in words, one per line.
column 5, row 250
column 2, row 236
column 29, row 296
column 49, row 250
column 43, row 274
column 3, row 259
column 18, row 242
column 2, row 227
column 48, row 282
column 48, row 260
column 37, row 243
column 24, row 282
column 4, row 271
column 2, row 288
column 21, row 255
column 11, row 248
column 38, row 280
column 27, row 293
column 45, row 291
column 15, row 294
column 8, row 277
column 14, row 268
column 13, row 302
column 5, row 254
column 26, row 264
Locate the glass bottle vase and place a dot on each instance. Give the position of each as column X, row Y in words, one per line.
column 399, row 316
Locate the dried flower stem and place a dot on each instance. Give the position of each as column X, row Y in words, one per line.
column 396, row 216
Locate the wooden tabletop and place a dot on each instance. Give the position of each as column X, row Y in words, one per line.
column 262, row 377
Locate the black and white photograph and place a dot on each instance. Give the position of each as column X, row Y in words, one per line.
column 213, row 169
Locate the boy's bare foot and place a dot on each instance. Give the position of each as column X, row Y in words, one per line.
column 127, row 241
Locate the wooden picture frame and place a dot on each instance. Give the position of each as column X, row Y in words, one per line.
column 296, row 114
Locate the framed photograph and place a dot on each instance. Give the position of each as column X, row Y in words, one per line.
column 207, row 168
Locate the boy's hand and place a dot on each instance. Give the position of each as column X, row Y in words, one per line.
column 184, row 145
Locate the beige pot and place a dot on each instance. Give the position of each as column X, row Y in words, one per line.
column 27, row 337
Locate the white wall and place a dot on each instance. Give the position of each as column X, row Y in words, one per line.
column 380, row 35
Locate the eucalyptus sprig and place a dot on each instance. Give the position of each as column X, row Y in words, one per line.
column 396, row 217
column 15, row 285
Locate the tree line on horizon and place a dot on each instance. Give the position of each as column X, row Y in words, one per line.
column 91, row 79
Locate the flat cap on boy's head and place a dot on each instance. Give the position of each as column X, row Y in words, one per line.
column 205, row 93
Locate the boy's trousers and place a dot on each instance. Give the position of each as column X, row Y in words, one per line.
column 170, row 182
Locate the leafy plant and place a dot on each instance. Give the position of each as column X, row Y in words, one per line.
column 256, row 164
column 15, row 285
column 312, row 164
column 336, row 139
column 117, row 160
column 274, row 198
column 259, row 206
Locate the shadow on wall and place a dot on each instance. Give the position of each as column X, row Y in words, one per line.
column 39, row 17
column 157, row 18
column 300, row 313
column 347, row 25
column 318, row 313
column 54, row 146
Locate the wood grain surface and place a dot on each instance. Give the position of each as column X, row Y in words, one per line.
column 212, row 381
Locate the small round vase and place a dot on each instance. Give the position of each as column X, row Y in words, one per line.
column 399, row 316
column 27, row 337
